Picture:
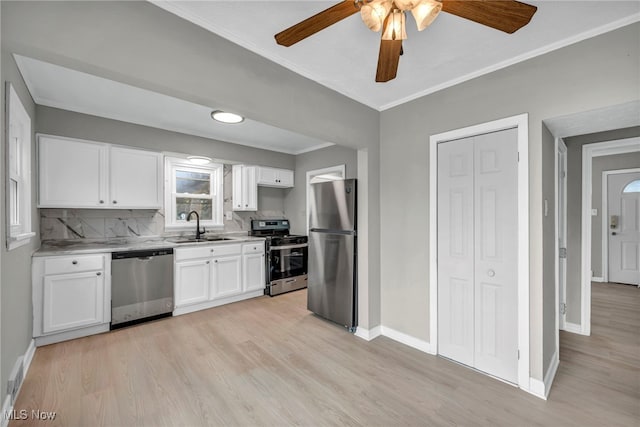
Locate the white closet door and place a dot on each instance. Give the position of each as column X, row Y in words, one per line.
column 496, row 254
column 477, row 252
column 455, row 250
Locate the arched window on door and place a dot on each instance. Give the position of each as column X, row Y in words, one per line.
column 632, row 187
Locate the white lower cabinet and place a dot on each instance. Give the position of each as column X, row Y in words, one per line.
column 253, row 271
column 192, row 282
column 71, row 296
column 211, row 275
column 227, row 277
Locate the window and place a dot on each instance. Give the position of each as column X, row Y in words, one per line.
column 18, row 171
column 632, row 187
column 192, row 188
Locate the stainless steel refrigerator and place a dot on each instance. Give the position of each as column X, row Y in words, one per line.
column 332, row 281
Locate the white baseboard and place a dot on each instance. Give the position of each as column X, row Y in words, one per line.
column 541, row 388
column 574, row 328
column 597, row 279
column 7, row 406
column 407, row 340
column 368, row 334
column 551, row 373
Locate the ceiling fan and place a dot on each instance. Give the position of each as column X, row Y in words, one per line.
column 389, row 16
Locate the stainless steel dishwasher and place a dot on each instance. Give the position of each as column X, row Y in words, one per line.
column 141, row 286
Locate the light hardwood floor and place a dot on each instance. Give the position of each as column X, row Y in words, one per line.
column 268, row 361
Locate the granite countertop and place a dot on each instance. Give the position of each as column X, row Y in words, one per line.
column 72, row 247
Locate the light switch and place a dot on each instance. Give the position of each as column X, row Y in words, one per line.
column 594, row 212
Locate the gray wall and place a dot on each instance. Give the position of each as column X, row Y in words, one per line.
column 548, row 246
column 296, row 198
column 59, row 122
column 601, row 164
column 15, row 295
column 561, row 82
column 574, row 211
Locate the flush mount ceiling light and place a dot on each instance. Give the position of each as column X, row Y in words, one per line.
column 225, row 117
column 389, row 16
column 199, row 160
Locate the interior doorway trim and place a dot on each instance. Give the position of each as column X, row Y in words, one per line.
column 605, row 222
column 589, row 151
column 521, row 123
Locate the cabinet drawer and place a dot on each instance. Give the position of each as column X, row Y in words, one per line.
column 253, row 248
column 73, row 264
column 206, row 251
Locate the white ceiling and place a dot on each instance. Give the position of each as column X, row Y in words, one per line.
column 343, row 57
column 59, row 87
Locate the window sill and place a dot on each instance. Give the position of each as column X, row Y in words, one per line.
column 18, row 240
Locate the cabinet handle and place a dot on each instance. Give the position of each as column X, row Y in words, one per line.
column 74, row 262
column 247, row 205
column 101, row 201
column 207, row 262
column 115, row 202
column 98, row 274
column 211, row 250
column 216, row 261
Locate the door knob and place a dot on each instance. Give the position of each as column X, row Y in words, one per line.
column 491, row 273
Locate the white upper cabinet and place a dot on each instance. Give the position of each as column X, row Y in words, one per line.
column 83, row 174
column 245, row 189
column 272, row 177
column 135, row 178
column 72, row 173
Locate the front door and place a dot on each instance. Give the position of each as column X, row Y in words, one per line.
column 623, row 204
column 477, row 252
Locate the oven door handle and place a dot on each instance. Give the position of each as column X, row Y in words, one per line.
column 277, row 248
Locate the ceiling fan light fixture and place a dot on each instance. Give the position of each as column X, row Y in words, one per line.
column 395, row 29
column 225, row 117
column 425, row 12
column 374, row 13
column 406, row 4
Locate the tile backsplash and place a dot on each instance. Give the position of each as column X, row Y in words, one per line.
column 97, row 224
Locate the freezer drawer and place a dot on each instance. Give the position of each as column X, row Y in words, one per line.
column 332, row 283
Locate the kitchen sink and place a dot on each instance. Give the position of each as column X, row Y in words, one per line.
column 194, row 240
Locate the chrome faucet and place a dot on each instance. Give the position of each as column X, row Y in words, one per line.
column 198, row 232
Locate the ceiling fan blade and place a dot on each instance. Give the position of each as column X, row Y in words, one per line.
column 388, row 59
column 504, row 15
column 317, row 22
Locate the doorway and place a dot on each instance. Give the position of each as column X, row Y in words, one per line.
column 519, row 238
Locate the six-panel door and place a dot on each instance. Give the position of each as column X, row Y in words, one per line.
column 477, row 252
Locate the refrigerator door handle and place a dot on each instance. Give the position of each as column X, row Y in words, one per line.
column 327, row 231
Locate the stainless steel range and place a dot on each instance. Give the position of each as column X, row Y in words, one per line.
column 287, row 256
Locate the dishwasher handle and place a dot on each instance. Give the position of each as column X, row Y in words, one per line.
column 143, row 255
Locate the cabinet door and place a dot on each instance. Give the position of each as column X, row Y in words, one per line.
column 72, row 173
column 135, row 178
column 267, row 176
column 72, row 301
column 192, row 281
column 227, row 278
column 285, row 178
column 253, row 271
column 245, row 190
column 250, row 189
